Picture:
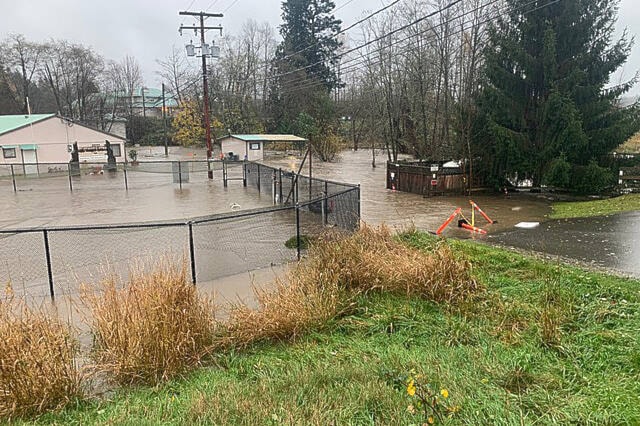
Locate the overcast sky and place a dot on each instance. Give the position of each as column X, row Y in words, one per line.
column 146, row 29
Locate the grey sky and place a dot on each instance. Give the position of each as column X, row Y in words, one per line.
column 146, row 29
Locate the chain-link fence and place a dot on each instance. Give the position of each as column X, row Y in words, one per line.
column 84, row 175
column 56, row 260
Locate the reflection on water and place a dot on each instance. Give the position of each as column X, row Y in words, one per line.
column 608, row 242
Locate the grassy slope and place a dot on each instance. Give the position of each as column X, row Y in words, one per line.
column 489, row 355
column 596, row 208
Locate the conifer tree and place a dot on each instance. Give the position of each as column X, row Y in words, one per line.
column 546, row 93
column 305, row 61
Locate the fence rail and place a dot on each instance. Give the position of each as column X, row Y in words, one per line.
column 54, row 260
column 84, row 175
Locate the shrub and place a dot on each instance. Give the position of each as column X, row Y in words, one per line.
column 591, row 179
column 559, row 173
column 38, row 369
column 153, row 329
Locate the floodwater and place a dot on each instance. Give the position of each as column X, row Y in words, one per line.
column 610, row 242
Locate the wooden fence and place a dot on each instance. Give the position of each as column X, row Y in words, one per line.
column 425, row 179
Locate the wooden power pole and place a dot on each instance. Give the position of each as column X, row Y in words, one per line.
column 205, row 88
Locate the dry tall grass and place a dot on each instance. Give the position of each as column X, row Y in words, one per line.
column 37, row 361
column 156, row 327
column 337, row 269
column 372, row 259
column 297, row 305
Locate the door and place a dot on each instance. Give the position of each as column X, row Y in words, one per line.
column 29, row 159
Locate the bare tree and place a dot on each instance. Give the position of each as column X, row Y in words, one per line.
column 22, row 57
column 175, row 69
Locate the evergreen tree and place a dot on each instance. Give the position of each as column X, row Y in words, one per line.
column 547, row 68
column 305, row 61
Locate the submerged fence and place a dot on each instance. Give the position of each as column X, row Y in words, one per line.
column 55, row 260
column 44, row 176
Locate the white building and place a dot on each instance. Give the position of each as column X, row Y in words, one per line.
column 251, row 147
column 47, row 138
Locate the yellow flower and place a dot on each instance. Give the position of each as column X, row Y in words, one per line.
column 411, row 388
column 430, row 420
column 444, row 393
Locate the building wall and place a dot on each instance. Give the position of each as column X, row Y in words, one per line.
column 52, row 136
column 234, row 145
column 255, row 154
column 242, row 148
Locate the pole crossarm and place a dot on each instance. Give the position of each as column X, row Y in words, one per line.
column 204, row 14
column 186, row 27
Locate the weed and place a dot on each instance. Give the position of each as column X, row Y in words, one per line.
column 156, row 327
column 372, row 259
column 38, row 372
column 425, row 399
column 304, row 302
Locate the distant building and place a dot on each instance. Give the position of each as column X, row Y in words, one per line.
column 28, row 140
column 147, row 101
column 251, row 147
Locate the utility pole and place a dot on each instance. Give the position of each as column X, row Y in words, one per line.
column 144, row 103
column 205, row 52
column 164, row 124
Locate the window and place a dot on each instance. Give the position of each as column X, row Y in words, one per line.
column 116, row 149
column 9, row 152
column 254, row 146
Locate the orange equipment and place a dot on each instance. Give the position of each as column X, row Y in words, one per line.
column 464, row 222
column 472, row 228
column 475, row 207
column 448, row 221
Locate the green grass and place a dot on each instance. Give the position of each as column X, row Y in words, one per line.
column 596, row 208
column 500, row 362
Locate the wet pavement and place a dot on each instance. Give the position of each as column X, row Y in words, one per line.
column 610, row 242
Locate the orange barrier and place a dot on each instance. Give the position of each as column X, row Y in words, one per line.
column 476, row 207
column 472, row 228
column 448, row 221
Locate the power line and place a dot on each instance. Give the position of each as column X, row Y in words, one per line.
column 343, row 5
column 364, row 62
column 230, row 6
column 345, row 29
column 296, row 86
column 300, row 79
column 450, row 5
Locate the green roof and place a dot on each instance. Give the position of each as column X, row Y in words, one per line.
column 268, row 138
column 9, row 123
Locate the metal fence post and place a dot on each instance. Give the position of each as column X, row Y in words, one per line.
column 298, row 229
column 359, row 209
column 225, row 172
column 280, row 184
column 274, row 186
column 325, row 204
column 244, row 174
column 297, row 195
column 126, row 182
column 13, row 178
column 70, row 183
column 192, row 254
column 47, row 253
column 258, row 177
column 180, row 174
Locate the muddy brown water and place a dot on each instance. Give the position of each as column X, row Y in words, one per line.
column 607, row 242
